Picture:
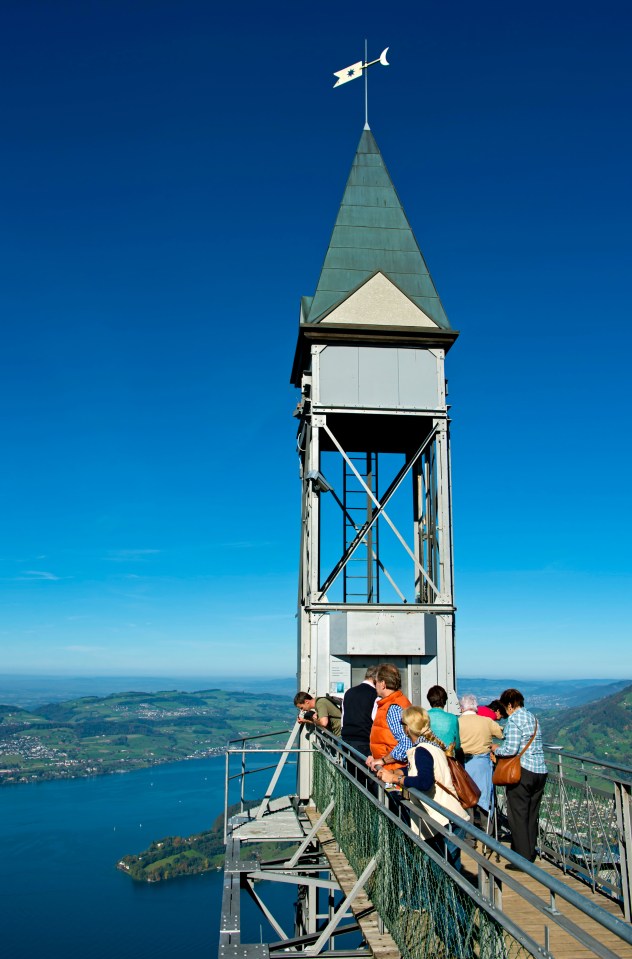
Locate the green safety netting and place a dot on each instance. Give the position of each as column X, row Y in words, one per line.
column 427, row 913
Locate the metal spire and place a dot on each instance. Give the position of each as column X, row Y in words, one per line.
column 366, row 90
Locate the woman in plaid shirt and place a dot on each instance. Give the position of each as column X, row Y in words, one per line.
column 524, row 797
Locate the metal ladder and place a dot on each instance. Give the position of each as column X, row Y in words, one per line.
column 361, row 580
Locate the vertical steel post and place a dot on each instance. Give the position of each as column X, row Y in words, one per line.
column 623, row 806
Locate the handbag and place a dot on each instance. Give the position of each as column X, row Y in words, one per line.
column 507, row 770
column 465, row 789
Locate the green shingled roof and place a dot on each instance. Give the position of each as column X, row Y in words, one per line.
column 371, row 234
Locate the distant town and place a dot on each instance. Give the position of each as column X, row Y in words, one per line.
column 126, row 731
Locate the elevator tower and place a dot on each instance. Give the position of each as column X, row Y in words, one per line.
column 376, row 567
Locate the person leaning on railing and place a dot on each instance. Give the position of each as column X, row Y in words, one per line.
column 524, row 797
column 389, row 741
column 319, row 711
column 428, row 768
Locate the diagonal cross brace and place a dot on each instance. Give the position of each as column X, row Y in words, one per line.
column 394, row 486
column 303, row 846
column 380, row 511
column 342, row 910
column 263, row 808
column 250, row 888
column 373, row 553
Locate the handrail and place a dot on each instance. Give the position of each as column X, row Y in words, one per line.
column 617, row 926
column 247, row 739
column 550, row 747
column 238, row 747
column 586, row 822
column 554, row 885
column 561, row 751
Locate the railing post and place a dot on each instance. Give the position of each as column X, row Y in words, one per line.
column 227, row 754
column 591, row 845
column 242, row 791
column 623, row 805
column 562, row 798
column 263, row 808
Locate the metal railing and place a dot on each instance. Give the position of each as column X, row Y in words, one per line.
column 416, row 884
column 248, row 746
column 429, row 908
column 586, row 822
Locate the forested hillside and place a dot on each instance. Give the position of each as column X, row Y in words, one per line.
column 601, row 730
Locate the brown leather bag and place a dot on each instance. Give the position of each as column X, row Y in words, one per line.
column 507, row 770
column 465, row 789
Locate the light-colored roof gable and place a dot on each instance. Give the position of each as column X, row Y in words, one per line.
column 378, row 302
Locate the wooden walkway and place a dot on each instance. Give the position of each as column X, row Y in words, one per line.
column 380, row 943
column 561, row 944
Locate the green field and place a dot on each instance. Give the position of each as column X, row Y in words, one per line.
column 125, row 731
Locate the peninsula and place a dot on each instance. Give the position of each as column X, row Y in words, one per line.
column 176, row 856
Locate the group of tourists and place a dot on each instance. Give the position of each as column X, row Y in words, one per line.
column 409, row 746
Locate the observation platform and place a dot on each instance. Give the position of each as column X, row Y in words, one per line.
column 281, row 823
column 368, row 885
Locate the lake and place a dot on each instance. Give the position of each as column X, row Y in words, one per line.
column 61, row 894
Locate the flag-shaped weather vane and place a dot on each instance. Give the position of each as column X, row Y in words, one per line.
column 355, row 71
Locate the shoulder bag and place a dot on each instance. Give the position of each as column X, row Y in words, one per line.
column 507, row 770
column 465, row 789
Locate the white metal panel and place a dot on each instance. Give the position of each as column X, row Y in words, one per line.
column 378, row 378
column 337, row 382
column 338, row 632
column 381, row 633
column 321, row 653
column 418, row 379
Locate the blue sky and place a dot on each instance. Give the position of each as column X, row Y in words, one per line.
column 170, row 175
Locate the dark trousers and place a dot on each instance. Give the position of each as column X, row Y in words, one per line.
column 523, row 808
column 362, row 745
column 357, row 771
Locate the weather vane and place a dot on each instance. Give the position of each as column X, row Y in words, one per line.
column 355, row 70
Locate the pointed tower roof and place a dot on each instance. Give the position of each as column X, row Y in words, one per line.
column 372, row 234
